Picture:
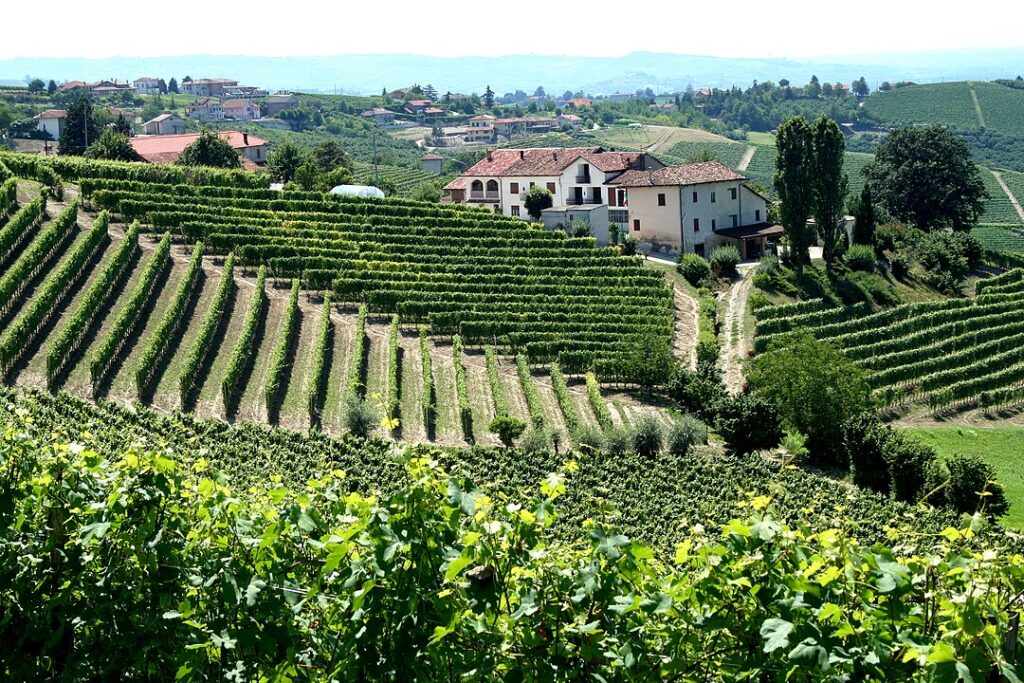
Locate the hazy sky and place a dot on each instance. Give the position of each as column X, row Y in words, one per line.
column 741, row 28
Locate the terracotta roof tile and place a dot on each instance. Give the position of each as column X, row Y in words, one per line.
column 686, row 174
column 165, row 149
column 543, row 161
column 52, row 114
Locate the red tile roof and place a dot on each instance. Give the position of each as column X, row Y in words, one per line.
column 52, row 114
column 612, row 161
column 543, row 161
column 235, row 104
column 686, row 174
column 165, row 149
column 457, row 184
column 433, row 110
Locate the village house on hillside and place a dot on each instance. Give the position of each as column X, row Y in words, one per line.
column 380, row 116
column 165, row 124
column 51, row 121
column 165, row 149
column 146, row 85
column 240, row 110
column 275, row 104
column 205, row 109
column 207, row 87
column 695, row 208
column 690, row 207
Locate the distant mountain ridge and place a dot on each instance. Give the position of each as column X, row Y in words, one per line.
column 663, row 72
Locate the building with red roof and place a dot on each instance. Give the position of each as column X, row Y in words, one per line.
column 51, row 121
column 695, row 208
column 165, row 149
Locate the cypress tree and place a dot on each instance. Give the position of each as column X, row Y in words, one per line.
column 794, row 183
column 830, row 185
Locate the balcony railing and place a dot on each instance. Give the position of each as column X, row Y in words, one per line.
column 583, row 179
column 484, row 196
column 576, row 201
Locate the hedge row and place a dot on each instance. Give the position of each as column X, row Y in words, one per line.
column 279, row 358
column 321, row 360
column 245, row 348
column 211, row 323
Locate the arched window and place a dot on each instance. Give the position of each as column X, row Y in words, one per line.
column 476, row 186
column 492, row 185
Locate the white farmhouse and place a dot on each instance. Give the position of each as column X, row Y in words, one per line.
column 694, row 208
column 51, row 121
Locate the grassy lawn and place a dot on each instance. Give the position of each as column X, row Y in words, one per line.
column 1001, row 446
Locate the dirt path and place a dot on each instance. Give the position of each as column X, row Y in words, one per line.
column 687, row 314
column 1009, row 194
column 977, row 106
column 734, row 346
column 747, row 157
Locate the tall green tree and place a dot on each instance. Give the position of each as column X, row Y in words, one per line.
column 817, row 390
column 925, row 176
column 210, row 150
column 285, row 160
column 172, row 85
column 794, row 183
column 51, row 88
column 112, row 145
column 488, row 97
column 830, row 185
column 537, row 199
column 36, row 85
column 79, row 127
column 329, row 156
column 865, row 218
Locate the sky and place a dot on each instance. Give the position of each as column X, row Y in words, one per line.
column 741, row 28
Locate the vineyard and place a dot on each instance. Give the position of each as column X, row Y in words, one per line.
column 998, row 208
column 405, row 179
column 212, row 298
column 207, row 550
column 1001, row 106
column 948, row 355
column 947, row 104
column 728, row 153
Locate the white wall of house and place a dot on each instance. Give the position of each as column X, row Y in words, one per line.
column 51, row 126
column 684, row 224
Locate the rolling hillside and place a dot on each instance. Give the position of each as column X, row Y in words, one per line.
column 964, row 105
column 947, row 355
column 183, row 327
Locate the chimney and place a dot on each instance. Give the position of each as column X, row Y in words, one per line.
column 522, row 154
column 554, row 155
column 245, row 139
column 490, row 157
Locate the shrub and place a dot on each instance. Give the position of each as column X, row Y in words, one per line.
column 723, row 260
column 694, row 268
column 748, row 423
column 861, row 257
column 899, row 265
column 864, row 438
column 618, row 442
column 535, row 441
column 648, row 435
column 589, row 439
column 909, row 462
column 684, row 433
column 360, row 418
column 972, row 487
column 698, row 391
column 507, row 428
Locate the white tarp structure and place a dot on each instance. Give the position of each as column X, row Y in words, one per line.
column 358, row 191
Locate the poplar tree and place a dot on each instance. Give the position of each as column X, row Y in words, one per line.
column 794, row 183
column 830, row 186
column 865, row 218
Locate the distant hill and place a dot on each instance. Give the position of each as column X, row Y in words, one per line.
column 365, row 74
column 963, row 105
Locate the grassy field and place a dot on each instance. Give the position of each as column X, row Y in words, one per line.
column 1002, row 446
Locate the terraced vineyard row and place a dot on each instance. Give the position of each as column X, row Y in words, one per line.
column 447, row 268
column 729, row 153
column 405, row 179
column 998, row 207
column 948, row 104
column 150, row 321
column 952, row 353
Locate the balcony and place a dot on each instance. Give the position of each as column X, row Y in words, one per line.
column 583, row 179
column 578, row 201
column 484, row 196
